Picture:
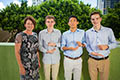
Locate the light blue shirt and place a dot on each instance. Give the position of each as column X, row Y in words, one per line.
column 44, row 39
column 104, row 36
column 69, row 39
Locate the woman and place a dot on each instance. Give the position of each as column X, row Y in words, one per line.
column 26, row 50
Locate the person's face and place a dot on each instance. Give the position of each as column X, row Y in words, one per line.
column 29, row 25
column 73, row 22
column 96, row 20
column 50, row 23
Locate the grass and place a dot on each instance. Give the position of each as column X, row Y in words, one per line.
column 115, row 64
column 9, row 66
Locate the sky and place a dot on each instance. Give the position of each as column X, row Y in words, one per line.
column 4, row 3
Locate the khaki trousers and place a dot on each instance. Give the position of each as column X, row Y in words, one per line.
column 47, row 71
column 99, row 66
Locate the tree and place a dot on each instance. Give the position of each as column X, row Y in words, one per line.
column 12, row 16
column 62, row 10
column 112, row 19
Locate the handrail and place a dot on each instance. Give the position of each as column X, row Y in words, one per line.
column 7, row 44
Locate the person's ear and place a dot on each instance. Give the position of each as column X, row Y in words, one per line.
column 100, row 19
column 54, row 22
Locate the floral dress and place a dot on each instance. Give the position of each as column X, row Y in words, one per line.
column 28, row 54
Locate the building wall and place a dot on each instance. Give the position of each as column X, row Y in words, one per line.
column 104, row 4
column 100, row 5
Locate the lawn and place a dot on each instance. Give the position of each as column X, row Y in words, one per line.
column 9, row 66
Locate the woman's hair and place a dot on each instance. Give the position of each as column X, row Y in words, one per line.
column 30, row 18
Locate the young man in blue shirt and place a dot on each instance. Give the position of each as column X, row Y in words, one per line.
column 99, row 41
column 49, row 42
column 72, row 43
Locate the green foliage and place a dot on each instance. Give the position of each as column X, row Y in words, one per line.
column 12, row 16
column 112, row 19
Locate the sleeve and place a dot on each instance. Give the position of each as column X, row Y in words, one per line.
column 41, row 44
column 18, row 38
column 87, row 43
column 112, row 41
column 83, row 39
column 63, row 42
column 59, row 40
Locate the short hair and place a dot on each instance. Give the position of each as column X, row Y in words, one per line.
column 30, row 18
column 49, row 17
column 72, row 16
column 95, row 13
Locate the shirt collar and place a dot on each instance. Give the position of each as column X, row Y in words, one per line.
column 77, row 30
column 92, row 29
column 47, row 30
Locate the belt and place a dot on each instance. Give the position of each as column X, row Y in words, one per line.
column 99, row 58
column 73, row 58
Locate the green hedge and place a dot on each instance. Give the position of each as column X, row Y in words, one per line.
column 12, row 17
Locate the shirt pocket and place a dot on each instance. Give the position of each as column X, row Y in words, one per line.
column 103, row 38
column 79, row 38
column 92, row 39
column 55, row 38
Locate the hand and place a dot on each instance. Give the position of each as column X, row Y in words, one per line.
column 102, row 47
column 22, row 70
column 96, row 54
column 72, row 48
column 79, row 43
column 51, row 44
column 51, row 51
